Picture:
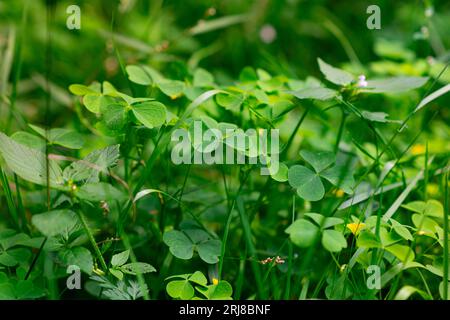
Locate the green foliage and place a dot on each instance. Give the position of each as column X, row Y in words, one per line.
column 305, row 233
column 360, row 179
column 309, row 184
column 195, row 287
column 183, row 243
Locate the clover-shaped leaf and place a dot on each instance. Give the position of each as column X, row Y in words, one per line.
column 150, row 113
column 431, row 208
column 94, row 99
column 220, row 291
column 333, row 241
column 309, row 184
column 304, row 233
column 183, row 289
column 318, row 160
column 182, row 244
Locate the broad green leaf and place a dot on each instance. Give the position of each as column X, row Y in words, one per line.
column 397, row 84
column 303, row 233
column 340, row 176
column 7, row 260
column 220, row 291
column 151, row 114
column 282, row 173
column 199, row 278
column 28, row 163
column 335, row 75
column 14, row 239
column 63, row 137
column 230, row 102
column 66, row 138
column 401, row 252
column 7, row 291
column 26, row 289
column 179, row 244
column 100, row 191
column 138, row 75
column 389, row 238
column 318, row 160
column 172, row 88
column 203, row 78
column 89, row 168
column 109, row 90
column 432, row 208
column 367, row 239
column 401, row 230
column 116, row 273
column 377, row 117
column 407, row 291
column 120, row 259
column 56, row 222
column 29, row 140
column 78, row 256
column 114, row 115
column 425, row 226
column 324, row 222
column 81, row 90
column 209, row 251
column 248, row 74
column 180, row 289
column 333, row 241
column 95, row 103
column 308, row 184
column 316, row 93
column 137, row 267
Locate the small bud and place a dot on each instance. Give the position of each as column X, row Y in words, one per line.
column 362, row 83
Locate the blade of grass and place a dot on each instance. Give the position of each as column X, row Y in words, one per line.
column 446, row 230
column 251, row 248
column 9, row 198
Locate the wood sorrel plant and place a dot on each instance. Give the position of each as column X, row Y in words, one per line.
column 139, row 194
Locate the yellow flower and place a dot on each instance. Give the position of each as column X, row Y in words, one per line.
column 432, row 189
column 339, row 193
column 417, row 149
column 355, row 228
column 215, row 281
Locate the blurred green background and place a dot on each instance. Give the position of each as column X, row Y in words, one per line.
column 283, row 36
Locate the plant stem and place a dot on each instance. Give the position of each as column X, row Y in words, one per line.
column 92, row 241
column 446, row 214
column 340, row 132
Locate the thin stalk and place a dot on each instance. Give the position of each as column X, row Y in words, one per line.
column 294, row 132
column 227, row 227
column 9, row 198
column 287, row 293
column 446, row 230
column 251, row 248
column 20, row 208
column 92, row 241
column 340, row 132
